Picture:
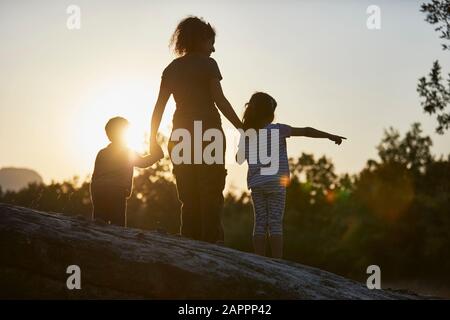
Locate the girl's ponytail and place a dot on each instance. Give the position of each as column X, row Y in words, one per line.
column 259, row 111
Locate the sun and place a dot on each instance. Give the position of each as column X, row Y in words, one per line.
column 136, row 138
column 132, row 100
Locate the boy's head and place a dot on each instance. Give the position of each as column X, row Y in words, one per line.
column 115, row 129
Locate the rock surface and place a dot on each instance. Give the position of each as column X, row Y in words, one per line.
column 36, row 248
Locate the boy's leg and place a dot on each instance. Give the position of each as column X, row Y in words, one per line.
column 109, row 205
column 276, row 203
column 187, row 189
column 260, row 211
column 100, row 204
column 211, row 183
column 118, row 211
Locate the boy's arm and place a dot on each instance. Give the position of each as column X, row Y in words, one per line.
column 223, row 104
column 147, row 160
column 314, row 133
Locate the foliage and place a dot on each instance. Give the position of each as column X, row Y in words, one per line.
column 434, row 92
column 435, row 96
column 438, row 14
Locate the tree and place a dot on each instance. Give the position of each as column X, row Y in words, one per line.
column 438, row 13
column 412, row 152
column 433, row 91
column 436, row 96
column 388, row 187
column 320, row 174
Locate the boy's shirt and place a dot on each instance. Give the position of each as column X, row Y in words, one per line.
column 114, row 168
column 280, row 178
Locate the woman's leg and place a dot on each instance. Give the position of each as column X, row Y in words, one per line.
column 187, row 189
column 211, row 182
column 260, row 222
column 200, row 189
column 276, row 202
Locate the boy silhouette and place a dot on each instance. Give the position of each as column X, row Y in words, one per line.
column 112, row 180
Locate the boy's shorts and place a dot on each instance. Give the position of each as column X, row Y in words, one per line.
column 109, row 204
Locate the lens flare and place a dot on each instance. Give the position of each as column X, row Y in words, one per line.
column 285, row 181
column 330, row 196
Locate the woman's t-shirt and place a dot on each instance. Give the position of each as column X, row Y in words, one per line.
column 280, row 178
column 188, row 79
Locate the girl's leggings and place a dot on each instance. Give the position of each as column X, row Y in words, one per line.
column 268, row 207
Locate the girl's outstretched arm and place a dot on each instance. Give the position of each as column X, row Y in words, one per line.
column 223, row 105
column 163, row 97
column 314, row 133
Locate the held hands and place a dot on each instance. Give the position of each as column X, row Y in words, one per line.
column 336, row 139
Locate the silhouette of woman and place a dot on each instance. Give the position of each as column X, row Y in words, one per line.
column 194, row 80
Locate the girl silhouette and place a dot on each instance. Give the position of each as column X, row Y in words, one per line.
column 268, row 191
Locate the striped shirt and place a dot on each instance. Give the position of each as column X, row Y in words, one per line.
column 267, row 160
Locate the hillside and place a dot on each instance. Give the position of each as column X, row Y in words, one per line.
column 17, row 178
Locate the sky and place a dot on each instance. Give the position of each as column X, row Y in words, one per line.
column 326, row 69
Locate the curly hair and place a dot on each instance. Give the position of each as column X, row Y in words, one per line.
column 189, row 34
column 259, row 111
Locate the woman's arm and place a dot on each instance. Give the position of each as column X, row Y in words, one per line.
column 163, row 97
column 223, row 105
column 314, row 133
